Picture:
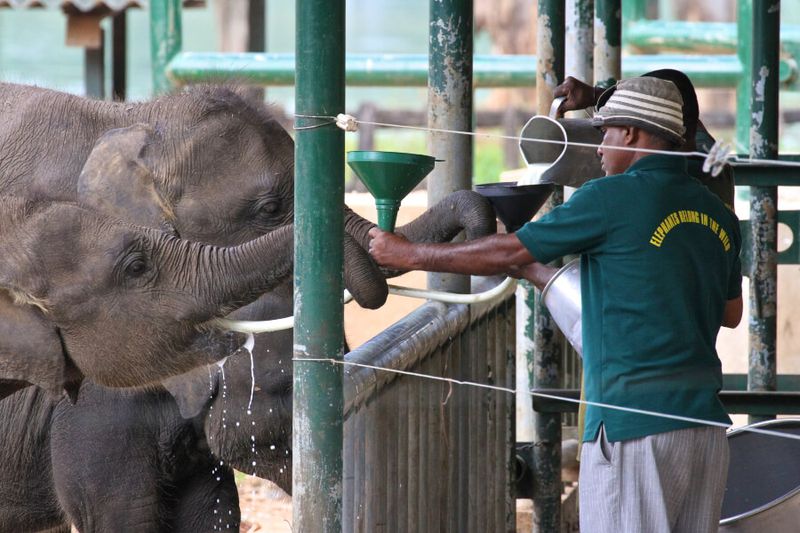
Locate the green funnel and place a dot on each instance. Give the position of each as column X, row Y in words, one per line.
column 389, row 176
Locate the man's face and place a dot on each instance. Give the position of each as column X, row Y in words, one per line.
column 615, row 161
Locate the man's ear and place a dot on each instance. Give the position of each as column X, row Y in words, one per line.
column 631, row 135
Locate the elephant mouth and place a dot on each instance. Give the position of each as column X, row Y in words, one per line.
column 215, row 343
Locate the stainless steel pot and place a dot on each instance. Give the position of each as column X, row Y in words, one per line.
column 562, row 296
column 763, row 490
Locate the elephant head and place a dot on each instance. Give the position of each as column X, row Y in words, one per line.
column 215, row 167
column 245, row 405
column 125, row 305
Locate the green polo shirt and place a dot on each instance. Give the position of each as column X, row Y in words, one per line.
column 659, row 261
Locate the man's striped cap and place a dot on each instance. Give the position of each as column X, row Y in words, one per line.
column 653, row 104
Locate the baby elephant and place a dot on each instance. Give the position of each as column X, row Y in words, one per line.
column 173, row 470
column 155, row 459
column 84, row 295
column 128, row 460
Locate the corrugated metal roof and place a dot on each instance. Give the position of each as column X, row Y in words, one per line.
column 86, row 6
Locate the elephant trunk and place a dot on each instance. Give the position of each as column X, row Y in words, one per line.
column 255, row 267
column 362, row 276
column 225, row 278
column 465, row 211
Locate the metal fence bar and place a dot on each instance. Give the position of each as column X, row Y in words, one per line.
column 411, row 70
column 165, row 40
column 764, row 200
column 451, row 457
column 349, row 476
column 548, row 342
column 608, row 42
column 450, row 108
column 401, row 515
column 318, row 273
column 493, row 456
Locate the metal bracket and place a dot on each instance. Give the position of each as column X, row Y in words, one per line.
column 790, row 256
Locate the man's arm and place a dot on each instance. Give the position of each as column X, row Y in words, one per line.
column 536, row 273
column 732, row 314
column 487, row 256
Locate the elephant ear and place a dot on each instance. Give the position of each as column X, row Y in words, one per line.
column 194, row 390
column 118, row 180
column 31, row 351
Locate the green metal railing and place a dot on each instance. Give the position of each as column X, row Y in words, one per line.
column 763, row 144
column 449, row 79
column 423, row 455
column 411, row 70
column 318, row 272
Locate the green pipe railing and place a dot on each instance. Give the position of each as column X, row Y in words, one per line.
column 654, row 35
column 763, row 404
column 165, row 40
column 608, row 42
column 548, row 343
column 411, row 70
column 764, row 199
column 318, row 274
column 450, row 107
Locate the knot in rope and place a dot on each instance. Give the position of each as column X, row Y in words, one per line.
column 347, row 122
column 717, row 158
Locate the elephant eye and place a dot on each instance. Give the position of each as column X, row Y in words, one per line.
column 269, row 207
column 136, row 267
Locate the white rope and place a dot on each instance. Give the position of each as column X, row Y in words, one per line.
column 718, row 156
column 455, row 298
column 657, row 414
column 281, row 324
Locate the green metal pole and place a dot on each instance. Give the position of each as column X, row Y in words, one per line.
column 165, row 40
column 764, row 200
column 550, row 52
column 319, row 229
column 607, row 42
column 411, row 70
column 450, row 108
column 744, row 49
column 579, row 45
column 634, row 10
column 548, row 343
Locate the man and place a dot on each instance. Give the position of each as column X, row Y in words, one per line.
column 579, row 95
column 660, row 273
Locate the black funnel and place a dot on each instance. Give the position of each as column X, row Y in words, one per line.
column 515, row 205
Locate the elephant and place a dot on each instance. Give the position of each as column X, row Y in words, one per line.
column 159, row 458
column 206, row 165
column 71, row 279
column 82, row 294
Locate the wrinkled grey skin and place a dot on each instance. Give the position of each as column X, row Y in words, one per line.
column 179, row 164
column 79, row 304
column 129, row 460
column 207, row 165
column 84, row 295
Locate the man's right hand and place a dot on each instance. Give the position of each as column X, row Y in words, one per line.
column 578, row 95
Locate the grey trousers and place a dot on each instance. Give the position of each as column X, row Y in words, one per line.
column 665, row 483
